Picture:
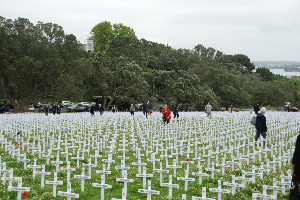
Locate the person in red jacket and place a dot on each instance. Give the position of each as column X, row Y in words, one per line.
column 166, row 114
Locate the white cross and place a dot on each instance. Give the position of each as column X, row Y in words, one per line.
column 69, row 193
column 139, row 163
column 186, row 179
column 48, row 156
column 149, row 191
column 200, row 174
column 233, row 185
column 89, row 165
column 203, row 195
column 34, row 167
column 96, row 155
column 25, row 161
column 68, row 169
column 174, row 166
column 219, row 190
column 125, row 180
column 170, row 186
column 264, row 195
column 43, row 174
column 10, row 178
column 102, row 185
column 243, row 178
column 77, row 158
column 213, row 170
column 82, row 177
column 223, row 165
column 144, row 176
column 161, row 171
column 19, row 189
column 54, row 183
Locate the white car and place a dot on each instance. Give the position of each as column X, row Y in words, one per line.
column 31, row 108
column 84, row 103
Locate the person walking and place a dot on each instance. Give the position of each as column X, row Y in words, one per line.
column 58, row 109
column 92, row 110
column 132, row 109
column 46, row 110
column 166, row 114
column 101, row 109
column 295, row 168
column 54, row 109
column 150, row 108
column 145, row 111
column 256, row 108
column 176, row 110
column 208, row 109
column 261, row 125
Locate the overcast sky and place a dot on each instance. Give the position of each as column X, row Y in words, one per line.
column 264, row 30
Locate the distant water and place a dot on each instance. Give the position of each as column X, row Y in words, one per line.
column 283, row 73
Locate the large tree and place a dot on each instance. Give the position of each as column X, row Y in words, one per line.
column 104, row 33
column 34, row 60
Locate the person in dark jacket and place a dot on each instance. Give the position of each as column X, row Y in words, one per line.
column 256, row 108
column 160, row 108
column 295, row 168
column 46, row 110
column 261, row 125
column 176, row 110
column 92, row 110
column 101, row 109
column 54, row 109
column 145, row 109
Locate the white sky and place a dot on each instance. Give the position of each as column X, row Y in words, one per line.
column 264, row 30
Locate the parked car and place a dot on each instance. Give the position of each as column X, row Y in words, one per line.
column 65, row 104
column 77, row 108
column 31, row 108
column 48, row 105
column 84, row 103
column 4, row 109
column 40, row 104
column 292, row 109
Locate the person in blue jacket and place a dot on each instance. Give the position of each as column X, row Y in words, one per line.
column 261, row 125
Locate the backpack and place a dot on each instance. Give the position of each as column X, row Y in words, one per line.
column 253, row 120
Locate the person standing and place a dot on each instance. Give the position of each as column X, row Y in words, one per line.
column 92, row 110
column 113, row 109
column 166, row 114
column 256, row 108
column 230, row 109
column 101, row 109
column 132, row 109
column 288, row 108
column 54, row 109
column 46, row 110
column 145, row 111
column 295, row 168
column 161, row 108
column 208, row 109
column 176, row 110
column 150, row 108
column 58, row 109
column 261, row 125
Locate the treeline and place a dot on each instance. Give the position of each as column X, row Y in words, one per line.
column 40, row 61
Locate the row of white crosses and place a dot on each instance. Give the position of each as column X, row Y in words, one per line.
column 166, row 156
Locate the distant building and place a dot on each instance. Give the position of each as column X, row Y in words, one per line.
column 89, row 44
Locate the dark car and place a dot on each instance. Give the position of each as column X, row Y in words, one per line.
column 4, row 109
column 49, row 106
column 292, row 109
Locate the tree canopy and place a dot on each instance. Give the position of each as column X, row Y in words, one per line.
column 41, row 61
